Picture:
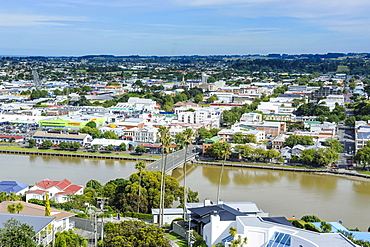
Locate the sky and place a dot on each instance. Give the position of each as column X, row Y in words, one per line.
column 183, row 27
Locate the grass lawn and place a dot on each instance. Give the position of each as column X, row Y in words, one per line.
column 269, row 165
column 116, row 154
column 364, row 172
column 173, row 236
column 182, row 243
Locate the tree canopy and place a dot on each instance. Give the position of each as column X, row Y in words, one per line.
column 16, row 234
column 133, row 234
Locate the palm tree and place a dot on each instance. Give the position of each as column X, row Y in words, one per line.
column 188, row 134
column 19, row 207
column 47, row 204
column 165, row 140
column 224, row 153
column 139, row 166
column 11, row 208
column 239, row 241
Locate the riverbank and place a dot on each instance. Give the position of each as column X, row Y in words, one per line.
column 79, row 154
column 339, row 172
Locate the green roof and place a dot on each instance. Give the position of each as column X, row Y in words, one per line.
column 214, row 139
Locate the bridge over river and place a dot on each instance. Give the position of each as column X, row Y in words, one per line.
column 174, row 160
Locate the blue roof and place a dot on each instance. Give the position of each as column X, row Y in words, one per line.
column 12, row 186
column 365, row 236
column 335, row 226
column 365, row 135
column 37, row 222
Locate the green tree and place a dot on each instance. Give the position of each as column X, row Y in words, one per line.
column 203, row 133
column 198, row 98
column 237, row 138
column 291, row 141
column 350, row 122
column 47, row 144
column 94, row 132
column 69, row 239
column 326, row 227
column 16, row 234
column 139, row 166
column 122, row 147
column 63, row 145
column 236, row 242
column 310, row 218
column 352, row 86
column 109, row 148
column 94, row 184
column 250, row 138
column 133, row 234
column 212, row 99
column 140, row 149
column 110, row 135
column 362, row 156
column 11, row 208
column 91, row 124
column 333, row 144
column 32, row 143
column 19, row 207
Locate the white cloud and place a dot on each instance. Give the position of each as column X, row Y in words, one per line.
column 12, row 20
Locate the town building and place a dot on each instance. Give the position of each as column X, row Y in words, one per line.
column 56, row 137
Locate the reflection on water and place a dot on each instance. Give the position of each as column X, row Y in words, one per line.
column 30, row 169
column 330, row 197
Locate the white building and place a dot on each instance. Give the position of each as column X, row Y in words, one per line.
column 259, row 231
column 58, row 190
column 227, row 134
column 147, row 134
column 56, row 137
column 209, row 115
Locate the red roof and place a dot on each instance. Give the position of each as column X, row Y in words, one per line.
column 10, row 137
column 40, row 192
column 45, row 184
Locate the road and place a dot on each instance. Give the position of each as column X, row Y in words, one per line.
column 173, row 160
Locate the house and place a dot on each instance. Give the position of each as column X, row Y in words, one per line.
column 60, row 223
column 58, row 190
column 38, row 223
column 13, row 186
column 214, row 222
column 9, row 138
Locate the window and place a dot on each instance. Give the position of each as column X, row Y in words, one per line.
column 279, row 239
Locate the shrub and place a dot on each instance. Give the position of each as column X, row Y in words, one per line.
column 311, row 227
column 298, row 223
column 310, row 218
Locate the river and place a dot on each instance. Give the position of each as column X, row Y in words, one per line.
column 279, row 193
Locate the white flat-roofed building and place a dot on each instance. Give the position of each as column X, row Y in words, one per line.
column 227, row 134
column 251, row 117
column 210, row 115
column 56, row 137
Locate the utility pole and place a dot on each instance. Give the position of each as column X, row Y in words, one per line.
column 101, row 201
column 95, row 230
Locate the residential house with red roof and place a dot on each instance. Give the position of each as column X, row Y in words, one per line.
column 58, row 190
